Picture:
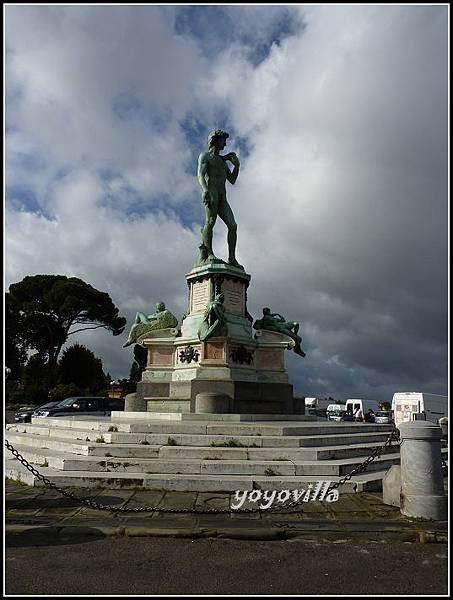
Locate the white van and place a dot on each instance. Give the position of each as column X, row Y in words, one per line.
column 406, row 405
column 334, row 412
column 365, row 405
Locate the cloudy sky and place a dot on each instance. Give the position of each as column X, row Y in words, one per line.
column 339, row 117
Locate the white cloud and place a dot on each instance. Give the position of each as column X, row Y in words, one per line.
column 341, row 203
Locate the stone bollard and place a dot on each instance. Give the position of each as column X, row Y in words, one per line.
column 422, row 487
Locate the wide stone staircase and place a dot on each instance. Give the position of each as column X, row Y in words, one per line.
column 209, row 453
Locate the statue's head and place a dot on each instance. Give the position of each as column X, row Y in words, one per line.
column 217, row 139
column 220, row 298
column 266, row 311
column 160, row 306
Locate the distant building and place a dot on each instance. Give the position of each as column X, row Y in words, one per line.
column 115, row 391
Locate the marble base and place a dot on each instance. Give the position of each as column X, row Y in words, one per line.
column 245, row 366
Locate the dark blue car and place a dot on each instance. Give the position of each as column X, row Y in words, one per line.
column 24, row 416
column 82, row 406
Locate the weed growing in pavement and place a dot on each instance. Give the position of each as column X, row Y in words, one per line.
column 269, row 472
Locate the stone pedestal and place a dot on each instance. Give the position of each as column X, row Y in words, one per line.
column 245, row 365
column 422, row 489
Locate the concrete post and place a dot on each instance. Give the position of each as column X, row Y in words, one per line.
column 422, row 488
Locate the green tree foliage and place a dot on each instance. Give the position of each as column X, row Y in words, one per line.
column 137, row 368
column 63, row 390
column 50, row 308
column 36, row 380
column 80, row 367
column 15, row 347
column 385, row 406
column 140, row 356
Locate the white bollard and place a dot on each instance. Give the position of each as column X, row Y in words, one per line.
column 422, row 487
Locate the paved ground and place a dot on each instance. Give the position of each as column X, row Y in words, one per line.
column 47, row 565
column 192, row 514
column 357, row 545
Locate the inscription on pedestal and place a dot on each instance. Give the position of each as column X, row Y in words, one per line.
column 234, row 292
column 200, row 296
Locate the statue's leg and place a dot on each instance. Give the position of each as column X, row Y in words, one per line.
column 131, row 337
column 292, row 326
column 298, row 350
column 298, row 341
column 226, row 214
column 207, row 231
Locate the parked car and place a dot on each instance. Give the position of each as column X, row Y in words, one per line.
column 383, row 417
column 25, row 415
column 82, row 405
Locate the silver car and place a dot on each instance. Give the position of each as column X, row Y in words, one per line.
column 384, row 417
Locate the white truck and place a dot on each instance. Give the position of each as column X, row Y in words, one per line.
column 318, row 403
column 406, row 405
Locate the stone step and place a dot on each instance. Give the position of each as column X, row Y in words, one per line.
column 312, row 453
column 187, row 439
column 221, row 417
column 28, row 440
column 76, row 435
column 38, row 441
column 212, row 428
column 62, row 461
column 57, row 450
column 183, row 482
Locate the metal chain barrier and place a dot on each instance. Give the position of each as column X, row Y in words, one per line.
column 393, row 437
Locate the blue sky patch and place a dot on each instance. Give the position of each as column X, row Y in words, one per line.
column 22, row 198
column 217, row 27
